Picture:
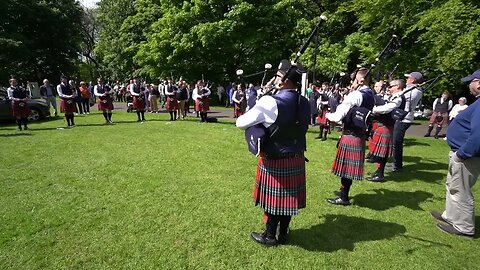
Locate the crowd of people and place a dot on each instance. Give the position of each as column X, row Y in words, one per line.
column 278, row 123
column 380, row 116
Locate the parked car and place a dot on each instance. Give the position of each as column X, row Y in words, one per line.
column 38, row 108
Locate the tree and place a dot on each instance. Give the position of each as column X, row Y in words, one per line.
column 39, row 39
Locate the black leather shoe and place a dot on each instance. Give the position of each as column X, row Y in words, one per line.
column 338, row 201
column 261, row 238
column 282, row 239
column 318, row 138
column 324, row 139
column 447, row 228
column 337, row 193
column 376, row 178
column 438, row 216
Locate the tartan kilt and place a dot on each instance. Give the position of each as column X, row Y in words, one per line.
column 280, row 187
column 106, row 104
column 350, row 157
column 371, row 144
column 68, row 106
column 440, row 121
column 322, row 119
column 20, row 109
column 138, row 103
column 382, row 141
column 238, row 110
column 172, row 104
column 202, row 105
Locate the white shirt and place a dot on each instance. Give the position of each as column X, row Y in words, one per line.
column 393, row 103
column 354, row 98
column 265, row 111
column 195, row 94
column 95, row 91
column 412, row 98
column 60, row 92
column 456, row 110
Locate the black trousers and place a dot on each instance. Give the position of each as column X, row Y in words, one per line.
column 399, row 131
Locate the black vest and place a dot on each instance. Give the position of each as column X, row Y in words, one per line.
column 441, row 107
column 19, row 93
column 356, row 120
column 101, row 89
column 287, row 134
column 387, row 119
column 137, row 89
column 66, row 90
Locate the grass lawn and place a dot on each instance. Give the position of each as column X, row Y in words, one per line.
column 163, row 195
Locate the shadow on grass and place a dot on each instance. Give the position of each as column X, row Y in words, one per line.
column 342, row 232
column 15, row 135
column 421, row 169
column 413, row 142
column 384, row 199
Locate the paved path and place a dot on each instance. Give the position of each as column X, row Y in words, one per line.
column 416, row 130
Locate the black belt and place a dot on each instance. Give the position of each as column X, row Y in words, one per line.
column 353, row 133
column 282, row 156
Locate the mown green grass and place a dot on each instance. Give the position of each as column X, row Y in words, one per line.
column 163, row 195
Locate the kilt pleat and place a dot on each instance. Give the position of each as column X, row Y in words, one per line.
column 68, row 106
column 382, row 141
column 138, row 103
column 20, row 109
column 439, row 118
column 202, row 105
column 280, row 185
column 349, row 160
column 105, row 104
column 172, row 104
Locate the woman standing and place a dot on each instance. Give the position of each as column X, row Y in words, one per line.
column 19, row 97
column 85, row 95
column 154, row 93
column 240, row 101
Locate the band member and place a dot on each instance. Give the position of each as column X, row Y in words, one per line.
column 240, row 100
column 379, row 101
column 172, row 102
column 19, row 96
column 382, row 139
column 312, row 99
column 137, row 91
column 200, row 95
column 441, row 107
column 280, row 180
column 48, row 93
column 105, row 100
column 67, row 105
column 322, row 121
column 182, row 97
column 349, row 161
column 463, row 137
column 413, row 94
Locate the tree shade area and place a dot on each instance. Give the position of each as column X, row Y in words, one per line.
column 156, row 39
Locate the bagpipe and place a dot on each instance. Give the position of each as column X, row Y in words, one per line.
column 257, row 134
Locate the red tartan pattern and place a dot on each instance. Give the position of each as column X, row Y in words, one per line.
column 322, row 119
column 106, row 104
column 349, row 160
column 68, row 106
column 172, row 104
column 20, row 109
column 433, row 118
column 202, row 105
column 138, row 104
column 371, row 144
column 382, row 141
column 280, row 185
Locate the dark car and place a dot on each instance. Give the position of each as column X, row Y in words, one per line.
column 38, row 108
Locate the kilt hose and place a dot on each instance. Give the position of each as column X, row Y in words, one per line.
column 138, row 103
column 68, row 106
column 439, row 119
column 382, row 141
column 350, row 157
column 105, row 104
column 20, row 109
column 280, row 185
column 202, row 105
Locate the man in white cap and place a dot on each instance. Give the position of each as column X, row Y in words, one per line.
column 463, row 137
column 413, row 94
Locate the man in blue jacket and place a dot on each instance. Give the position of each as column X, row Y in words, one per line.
column 463, row 136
